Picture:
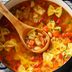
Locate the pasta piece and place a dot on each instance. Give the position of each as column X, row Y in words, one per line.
column 69, row 49
column 32, row 34
column 37, row 48
column 9, row 44
column 58, row 28
column 22, row 59
column 47, row 57
column 51, row 24
column 39, row 10
column 51, row 10
column 58, row 11
column 69, row 45
column 30, row 69
column 36, row 17
column 21, row 69
column 40, row 25
column 4, row 31
column 57, row 46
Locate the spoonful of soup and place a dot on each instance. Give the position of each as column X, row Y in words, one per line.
column 34, row 39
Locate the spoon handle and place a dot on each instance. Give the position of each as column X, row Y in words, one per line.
column 15, row 22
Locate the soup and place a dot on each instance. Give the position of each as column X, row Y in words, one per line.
column 44, row 15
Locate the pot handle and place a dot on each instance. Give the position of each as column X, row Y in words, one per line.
column 2, row 66
column 68, row 2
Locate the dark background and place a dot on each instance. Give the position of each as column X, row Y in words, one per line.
column 67, row 0
column 68, row 66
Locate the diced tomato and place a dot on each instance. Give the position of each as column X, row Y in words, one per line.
column 42, row 19
column 60, row 56
column 31, row 42
column 71, row 39
column 53, row 59
column 43, row 43
column 41, row 46
column 56, row 64
column 58, row 21
column 68, row 34
column 32, row 58
column 42, row 40
column 37, row 69
column 55, row 18
column 64, row 35
column 45, row 28
column 16, row 66
column 56, row 33
column 27, row 41
column 36, row 65
column 63, row 26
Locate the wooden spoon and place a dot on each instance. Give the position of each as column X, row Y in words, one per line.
column 22, row 28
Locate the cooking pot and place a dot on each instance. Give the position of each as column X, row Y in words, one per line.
column 12, row 3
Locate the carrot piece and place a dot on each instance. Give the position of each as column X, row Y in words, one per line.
column 66, row 41
column 56, row 33
column 31, row 42
column 45, row 28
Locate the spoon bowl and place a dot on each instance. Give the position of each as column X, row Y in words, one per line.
column 22, row 28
